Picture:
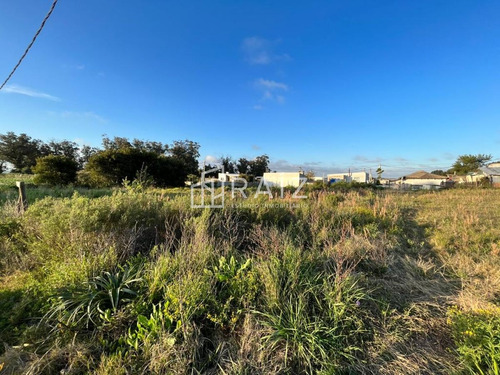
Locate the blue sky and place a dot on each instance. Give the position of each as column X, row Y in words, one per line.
column 324, row 85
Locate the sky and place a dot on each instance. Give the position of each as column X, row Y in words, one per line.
column 323, row 85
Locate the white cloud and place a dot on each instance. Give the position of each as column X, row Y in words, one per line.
column 270, row 88
column 258, row 107
column 21, row 90
column 210, row 159
column 260, row 51
column 271, row 85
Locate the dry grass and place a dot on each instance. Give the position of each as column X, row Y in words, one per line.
column 415, row 255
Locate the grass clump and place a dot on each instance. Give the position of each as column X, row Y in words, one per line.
column 477, row 339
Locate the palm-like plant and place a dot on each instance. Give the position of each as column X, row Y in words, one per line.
column 101, row 296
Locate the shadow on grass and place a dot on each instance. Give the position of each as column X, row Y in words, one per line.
column 415, row 294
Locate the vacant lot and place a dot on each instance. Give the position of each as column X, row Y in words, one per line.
column 134, row 281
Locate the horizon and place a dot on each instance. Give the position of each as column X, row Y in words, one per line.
column 408, row 86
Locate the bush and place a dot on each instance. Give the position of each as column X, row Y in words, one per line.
column 55, row 170
column 112, row 167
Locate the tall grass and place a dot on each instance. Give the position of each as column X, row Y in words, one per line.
column 134, row 281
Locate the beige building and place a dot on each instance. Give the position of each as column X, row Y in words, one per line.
column 424, row 180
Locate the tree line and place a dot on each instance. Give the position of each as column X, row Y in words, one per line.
column 119, row 159
column 464, row 164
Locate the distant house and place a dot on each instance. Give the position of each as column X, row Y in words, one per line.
column 423, row 180
column 362, row 177
column 492, row 172
column 387, row 181
column 459, row 179
column 284, row 179
column 228, row 177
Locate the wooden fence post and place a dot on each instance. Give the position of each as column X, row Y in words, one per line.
column 22, row 203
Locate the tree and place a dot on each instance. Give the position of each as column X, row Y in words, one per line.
column 20, row 150
column 469, row 163
column 116, row 143
column 208, row 167
column 243, row 165
column 187, row 152
column 151, row 146
column 439, row 172
column 112, row 166
column 259, row 165
column 55, row 170
column 62, row 148
column 228, row 164
column 379, row 172
column 86, row 153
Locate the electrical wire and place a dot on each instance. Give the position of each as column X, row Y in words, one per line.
column 30, row 45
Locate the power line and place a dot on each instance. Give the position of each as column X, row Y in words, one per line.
column 30, row 45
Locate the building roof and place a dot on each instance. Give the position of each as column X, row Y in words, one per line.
column 490, row 171
column 423, row 175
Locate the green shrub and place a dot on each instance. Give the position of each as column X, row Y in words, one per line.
column 55, row 170
column 149, row 329
column 236, row 288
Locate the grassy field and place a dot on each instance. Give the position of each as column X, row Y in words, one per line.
column 9, row 191
column 135, row 281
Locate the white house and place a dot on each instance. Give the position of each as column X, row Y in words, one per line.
column 424, row 180
column 228, row 177
column 284, row 179
column 492, row 172
column 362, row 177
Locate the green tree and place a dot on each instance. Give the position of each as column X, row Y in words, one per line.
column 259, row 165
column 116, row 143
column 439, row 172
column 151, row 146
column 112, row 166
column 188, row 153
column 62, row 148
column 228, row 164
column 243, row 165
column 20, row 150
column 379, row 172
column 55, row 170
column 469, row 163
column 85, row 154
